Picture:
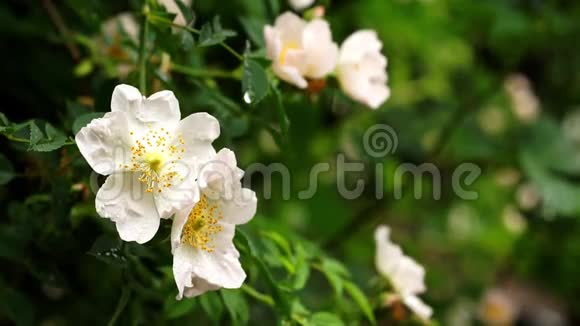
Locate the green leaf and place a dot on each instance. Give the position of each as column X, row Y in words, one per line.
column 35, row 134
column 55, row 140
column 84, row 68
column 212, row 305
column 325, row 319
column 176, row 308
column 186, row 40
column 236, row 305
column 84, row 120
column 212, row 33
column 255, row 83
column 359, row 297
column 6, row 170
column 281, row 111
column 186, row 11
column 107, row 248
column 254, row 29
column 302, row 274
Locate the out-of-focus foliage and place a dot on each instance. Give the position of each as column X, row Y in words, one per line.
column 457, row 71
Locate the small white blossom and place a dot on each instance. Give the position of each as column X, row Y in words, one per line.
column 204, row 256
column 150, row 157
column 301, row 4
column 361, row 69
column 300, row 49
column 405, row 275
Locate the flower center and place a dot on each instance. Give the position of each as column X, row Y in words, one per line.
column 290, row 45
column 202, row 225
column 154, row 155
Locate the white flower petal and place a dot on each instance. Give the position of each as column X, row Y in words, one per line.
column 198, row 131
column 197, row 271
column 123, row 200
column 160, row 109
column 290, row 27
column 242, row 208
column 301, row 4
column 322, row 53
column 104, row 143
column 361, row 69
column 404, row 273
column 358, row 44
column 291, row 75
column 418, row 306
column 181, row 194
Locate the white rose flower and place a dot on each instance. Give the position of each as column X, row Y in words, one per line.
column 361, row 69
column 300, row 49
column 204, row 256
column 301, row 4
column 405, row 275
column 150, row 157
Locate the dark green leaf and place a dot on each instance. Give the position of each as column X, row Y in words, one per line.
column 35, row 134
column 6, row 170
column 237, row 306
column 212, row 305
column 255, row 83
column 107, row 248
column 176, row 308
column 254, row 29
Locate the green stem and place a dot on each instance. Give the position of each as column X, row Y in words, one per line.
column 125, row 294
column 213, row 73
column 142, row 51
column 264, row 298
column 24, row 140
column 195, row 31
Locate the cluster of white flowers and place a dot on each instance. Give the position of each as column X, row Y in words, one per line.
column 159, row 166
column 404, row 274
column 303, row 50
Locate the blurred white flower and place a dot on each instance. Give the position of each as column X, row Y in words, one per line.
column 524, row 101
column 405, row 275
column 301, row 4
column 361, row 69
column 300, row 49
column 204, row 256
column 150, row 157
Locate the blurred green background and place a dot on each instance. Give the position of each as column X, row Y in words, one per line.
column 492, row 82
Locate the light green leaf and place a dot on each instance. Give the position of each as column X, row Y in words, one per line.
column 359, row 297
column 213, row 33
column 6, row 170
column 325, row 319
column 302, row 274
column 254, row 82
column 186, row 40
column 236, row 305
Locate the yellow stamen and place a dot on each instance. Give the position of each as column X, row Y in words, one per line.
column 202, row 225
